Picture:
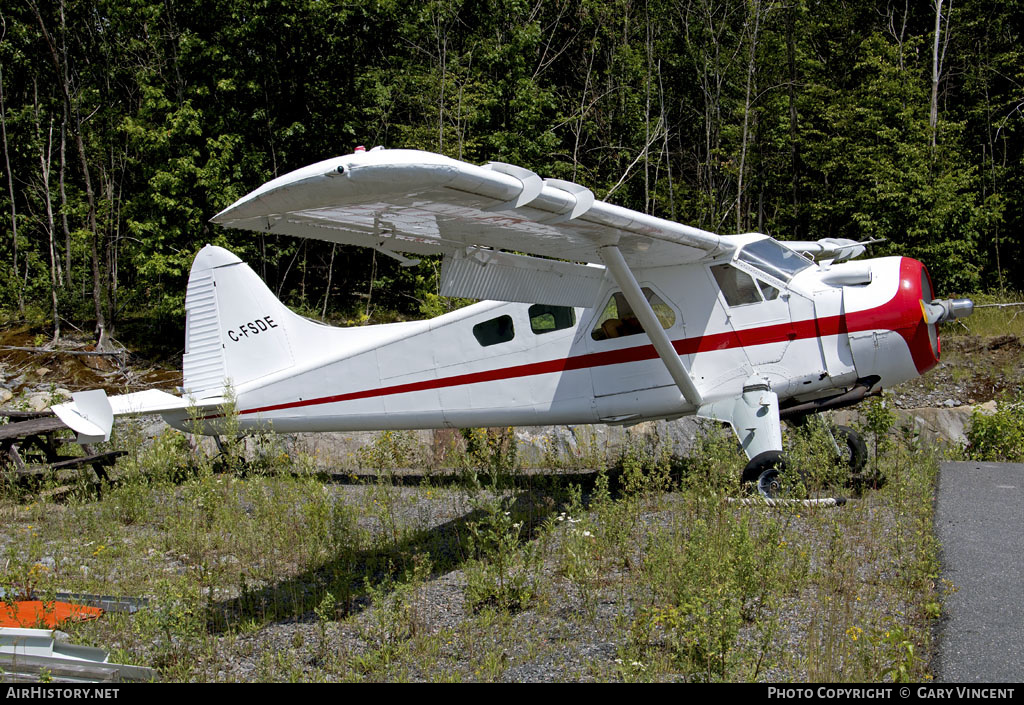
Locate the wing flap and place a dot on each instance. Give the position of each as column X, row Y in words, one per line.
column 475, row 273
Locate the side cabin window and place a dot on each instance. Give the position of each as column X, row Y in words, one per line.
column 739, row 288
column 548, row 319
column 617, row 320
column 497, row 330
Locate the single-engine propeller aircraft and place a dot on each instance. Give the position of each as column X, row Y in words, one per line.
column 589, row 313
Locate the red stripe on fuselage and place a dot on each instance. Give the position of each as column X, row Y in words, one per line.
column 892, row 315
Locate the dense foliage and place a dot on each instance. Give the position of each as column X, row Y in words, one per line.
column 127, row 125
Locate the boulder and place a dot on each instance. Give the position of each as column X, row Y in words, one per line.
column 936, row 426
column 38, row 401
column 536, row 446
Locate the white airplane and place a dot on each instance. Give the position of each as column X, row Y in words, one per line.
column 596, row 314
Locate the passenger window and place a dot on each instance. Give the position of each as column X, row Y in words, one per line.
column 738, row 287
column 548, row 319
column 497, row 330
column 617, row 320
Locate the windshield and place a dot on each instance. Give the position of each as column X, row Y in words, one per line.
column 774, row 259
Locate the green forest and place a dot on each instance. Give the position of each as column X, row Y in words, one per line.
column 127, row 125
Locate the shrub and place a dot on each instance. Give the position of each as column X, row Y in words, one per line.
column 998, row 436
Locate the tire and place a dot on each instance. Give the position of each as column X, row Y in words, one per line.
column 855, row 454
column 761, row 462
column 765, row 470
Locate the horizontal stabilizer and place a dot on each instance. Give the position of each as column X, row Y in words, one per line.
column 151, row 401
column 91, row 414
column 476, row 273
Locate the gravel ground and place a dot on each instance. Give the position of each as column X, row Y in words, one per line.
column 560, row 636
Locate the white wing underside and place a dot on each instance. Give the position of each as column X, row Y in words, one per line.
column 419, row 203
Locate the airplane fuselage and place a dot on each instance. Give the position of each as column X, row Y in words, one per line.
column 512, row 364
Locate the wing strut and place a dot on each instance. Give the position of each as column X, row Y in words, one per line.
column 613, row 259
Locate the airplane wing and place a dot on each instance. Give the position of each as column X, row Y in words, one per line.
column 418, row 203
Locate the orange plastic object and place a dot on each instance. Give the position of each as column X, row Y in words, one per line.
column 33, row 614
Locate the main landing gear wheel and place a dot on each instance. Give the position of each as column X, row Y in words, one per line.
column 852, row 449
column 767, row 471
column 853, row 453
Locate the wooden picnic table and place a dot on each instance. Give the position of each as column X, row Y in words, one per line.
column 31, row 443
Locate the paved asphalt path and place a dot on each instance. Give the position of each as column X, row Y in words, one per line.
column 979, row 520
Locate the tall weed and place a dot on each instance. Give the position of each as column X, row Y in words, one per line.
column 998, row 436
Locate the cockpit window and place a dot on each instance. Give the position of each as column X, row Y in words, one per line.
column 769, row 292
column 774, row 259
column 740, row 288
column 617, row 320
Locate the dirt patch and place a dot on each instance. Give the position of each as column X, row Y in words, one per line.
column 973, row 370
column 27, row 366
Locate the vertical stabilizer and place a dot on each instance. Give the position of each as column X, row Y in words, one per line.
column 236, row 331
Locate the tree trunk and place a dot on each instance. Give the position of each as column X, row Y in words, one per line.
column 933, row 119
column 10, row 185
column 45, row 168
column 794, row 134
column 64, row 202
column 751, row 64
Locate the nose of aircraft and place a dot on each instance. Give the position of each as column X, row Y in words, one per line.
column 924, row 312
column 935, row 311
column 941, row 310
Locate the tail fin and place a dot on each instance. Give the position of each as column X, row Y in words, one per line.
column 236, row 330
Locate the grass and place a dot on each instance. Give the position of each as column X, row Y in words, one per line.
column 641, row 570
